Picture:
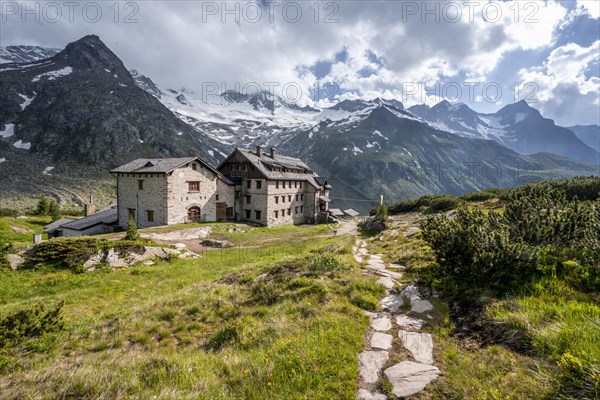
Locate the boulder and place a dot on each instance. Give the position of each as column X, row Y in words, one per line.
column 372, row 224
column 364, row 394
column 14, row 260
column 215, row 243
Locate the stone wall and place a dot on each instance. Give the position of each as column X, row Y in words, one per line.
column 180, row 199
column 152, row 197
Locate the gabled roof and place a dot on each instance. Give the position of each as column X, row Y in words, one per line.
column 163, row 165
column 105, row 216
column 57, row 224
column 266, row 165
column 352, row 213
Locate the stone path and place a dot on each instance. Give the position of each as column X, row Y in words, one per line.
column 407, row 377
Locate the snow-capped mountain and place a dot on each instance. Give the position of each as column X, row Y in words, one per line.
column 81, row 112
column 22, row 54
column 517, row 126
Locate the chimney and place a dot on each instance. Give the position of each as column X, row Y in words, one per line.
column 259, row 151
column 273, row 151
column 90, row 208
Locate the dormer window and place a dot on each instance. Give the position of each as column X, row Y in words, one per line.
column 194, row 166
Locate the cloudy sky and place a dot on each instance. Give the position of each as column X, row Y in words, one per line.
column 484, row 53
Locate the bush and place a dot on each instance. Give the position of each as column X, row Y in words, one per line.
column 31, row 322
column 402, row 206
column 483, row 195
column 8, row 212
column 324, row 262
column 438, row 203
column 132, row 232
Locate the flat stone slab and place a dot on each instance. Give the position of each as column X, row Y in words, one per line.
column 358, row 259
column 364, row 394
column 411, row 230
column 391, row 303
column 409, row 377
column 370, row 363
column 409, row 323
column 381, row 341
column 386, row 282
column 420, row 345
column 381, row 322
column 420, row 306
column 396, row 266
column 391, row 274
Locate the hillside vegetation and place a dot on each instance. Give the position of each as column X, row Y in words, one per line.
column 520, row 271
column 277, row 316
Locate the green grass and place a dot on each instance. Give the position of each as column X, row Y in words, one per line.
column 263, row 322
column 13, row 229
column 560, row 324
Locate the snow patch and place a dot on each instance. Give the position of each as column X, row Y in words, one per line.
column 520, row 117
column 8, row 131
column 179, row 133
column 377, row 133
column 20, row 145
column 140, row 140
column 47, row 170
column 52, row 75
column 212, row 153
column 28, row 101
column 2, row 160
column 356, row 150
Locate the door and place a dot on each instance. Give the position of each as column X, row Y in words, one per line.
column 194, row 214
column 221, row 211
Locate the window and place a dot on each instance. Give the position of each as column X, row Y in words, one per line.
column 301, row 209
column 301, row 197
column 248, row 214
column 282, row 212
column 258, row 184
column 276, row 184
column 140, row 184
column 276, row 213
column 257, row 214
column 194, row 186
column 290, row 184
column 194, row 166
column 229, row 212
column 300, row 184
column 249, row 184
column 290, row 211
column 295, row 184
column 217, row 197
column 283, row 183
column 276, row 199
column 290, row 198
column 296, row 197
column 295, row 210
column 150, row 215
column 248, row 199
column 283, row 199
column 131, row 213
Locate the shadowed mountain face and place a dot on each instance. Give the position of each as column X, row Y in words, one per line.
column 517, row 126
column 588, row 134
column 82, row 113
column 402, row 157
column 68, row 119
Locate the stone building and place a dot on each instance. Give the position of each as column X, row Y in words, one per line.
column 165, row 191
column 275, row 190
column 267, row 189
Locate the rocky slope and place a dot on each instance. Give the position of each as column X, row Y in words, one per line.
column 80, row 113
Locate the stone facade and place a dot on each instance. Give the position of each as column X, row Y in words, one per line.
column 275, row 198
column 265, row 189
column 191, row 192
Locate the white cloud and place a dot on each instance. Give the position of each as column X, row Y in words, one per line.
column 592, row 7
column 564, row 91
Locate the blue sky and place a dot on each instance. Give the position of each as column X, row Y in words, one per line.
column 413, row 51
